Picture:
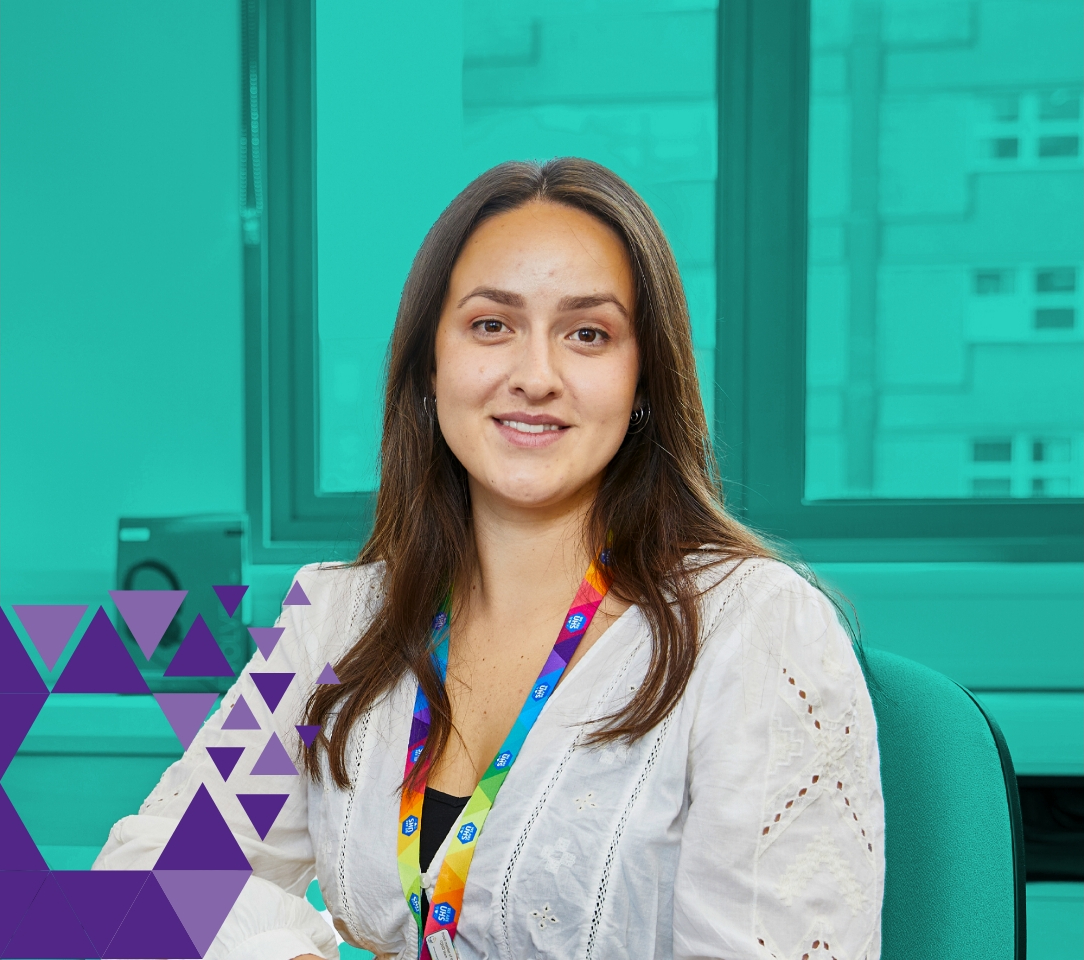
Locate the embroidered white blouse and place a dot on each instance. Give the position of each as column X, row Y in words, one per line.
column 749, row 823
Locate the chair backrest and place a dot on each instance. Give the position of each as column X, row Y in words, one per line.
column 954, row 849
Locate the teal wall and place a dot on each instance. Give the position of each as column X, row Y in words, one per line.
column 120, row 280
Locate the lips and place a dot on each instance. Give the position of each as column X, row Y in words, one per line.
column 530, row 429
column 521, row 427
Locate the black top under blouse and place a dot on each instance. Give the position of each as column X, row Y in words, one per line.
column 439, row 814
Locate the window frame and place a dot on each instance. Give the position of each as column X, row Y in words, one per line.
column 760, row 390
column 291, row 520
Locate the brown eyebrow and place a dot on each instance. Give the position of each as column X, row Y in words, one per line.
column 510, row 299
column 506, row 297
column 595, row 300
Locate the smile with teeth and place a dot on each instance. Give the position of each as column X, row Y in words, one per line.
column 529, row 427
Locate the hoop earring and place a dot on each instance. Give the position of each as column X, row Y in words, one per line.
column 431, row 414
column 639, row 418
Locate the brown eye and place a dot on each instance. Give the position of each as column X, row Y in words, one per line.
column 492, row 326
column 587, row 335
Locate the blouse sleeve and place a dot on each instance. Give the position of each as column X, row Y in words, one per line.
column 782, row 852
column 271, row 919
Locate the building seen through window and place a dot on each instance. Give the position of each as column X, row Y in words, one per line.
column 945, row 331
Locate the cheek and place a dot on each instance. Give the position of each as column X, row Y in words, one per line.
column 464, row 381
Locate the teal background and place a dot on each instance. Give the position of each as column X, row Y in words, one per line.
column 122, row 335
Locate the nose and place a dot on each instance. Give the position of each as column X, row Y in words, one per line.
column 535, row 373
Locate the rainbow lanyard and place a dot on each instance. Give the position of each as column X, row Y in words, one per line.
column 435, row 940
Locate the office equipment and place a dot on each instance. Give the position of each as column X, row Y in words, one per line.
column 193, row 554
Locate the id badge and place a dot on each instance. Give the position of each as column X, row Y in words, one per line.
column 441, row 946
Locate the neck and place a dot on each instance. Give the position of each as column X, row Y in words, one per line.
column 527, row 557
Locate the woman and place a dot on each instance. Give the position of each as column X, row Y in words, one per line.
column 691, row 771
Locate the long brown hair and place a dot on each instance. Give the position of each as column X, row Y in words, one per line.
column 660, row 498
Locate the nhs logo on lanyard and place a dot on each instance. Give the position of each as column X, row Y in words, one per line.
column 575, row 623
column 540, row 691
column 503, row 759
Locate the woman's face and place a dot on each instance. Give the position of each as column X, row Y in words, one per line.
column 536, row 360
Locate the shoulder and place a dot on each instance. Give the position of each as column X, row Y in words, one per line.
column 341, row 599
column 753, row 587
column 761, row 611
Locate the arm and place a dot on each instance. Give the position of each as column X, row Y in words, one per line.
column 782, row 851
column 271, row 920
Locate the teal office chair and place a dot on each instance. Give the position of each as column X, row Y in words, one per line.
column 954, row 840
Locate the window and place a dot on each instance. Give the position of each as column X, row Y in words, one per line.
column 809, row 163
column 917, row 337
column 935, row 177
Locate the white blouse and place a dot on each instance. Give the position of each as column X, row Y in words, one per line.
column 749, row 823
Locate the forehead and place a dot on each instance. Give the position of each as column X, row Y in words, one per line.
column 544, row 243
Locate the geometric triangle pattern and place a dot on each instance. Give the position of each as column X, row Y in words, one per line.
column 241, row 717
column 274, row 761
column 50, row 627
column 18, row 711
column 17, row 892
column 17, row 848
column 101, row 899
column 225, row 759
column 307, row 733
column 230, row 596
column 202, row 840
column 50, row 917
column 151, row 928
column 100, row 663
column 328, row 675
column 199, row 654
column 177, row 908
column 266, row 638
column 186, row 712
column 201, row 899
column 272, row 686
column 296, row 597
column 17, row 671
column 148, row 613
column 262, row 809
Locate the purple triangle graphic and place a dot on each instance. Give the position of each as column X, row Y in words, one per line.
column 225, row 758
column 241, row 717
column 148, row 613
column 151, row 929
column 307, row 734
column 296, row 597
column 202, row 899
column 50, row 627
column 17, row 892
column 186, row 712
column 202, row 840
column 17, row 850
column 100, row 664
column 101, row 899
column 18, row 675
column 328, row 675
column 199, row 654
column 263, row 809
column 50, row 928
column 274, row 761
column 266, row 638
column 272, row 686
column 18, row 711
column 230, row 596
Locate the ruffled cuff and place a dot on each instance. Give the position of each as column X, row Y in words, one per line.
column 267, row 923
